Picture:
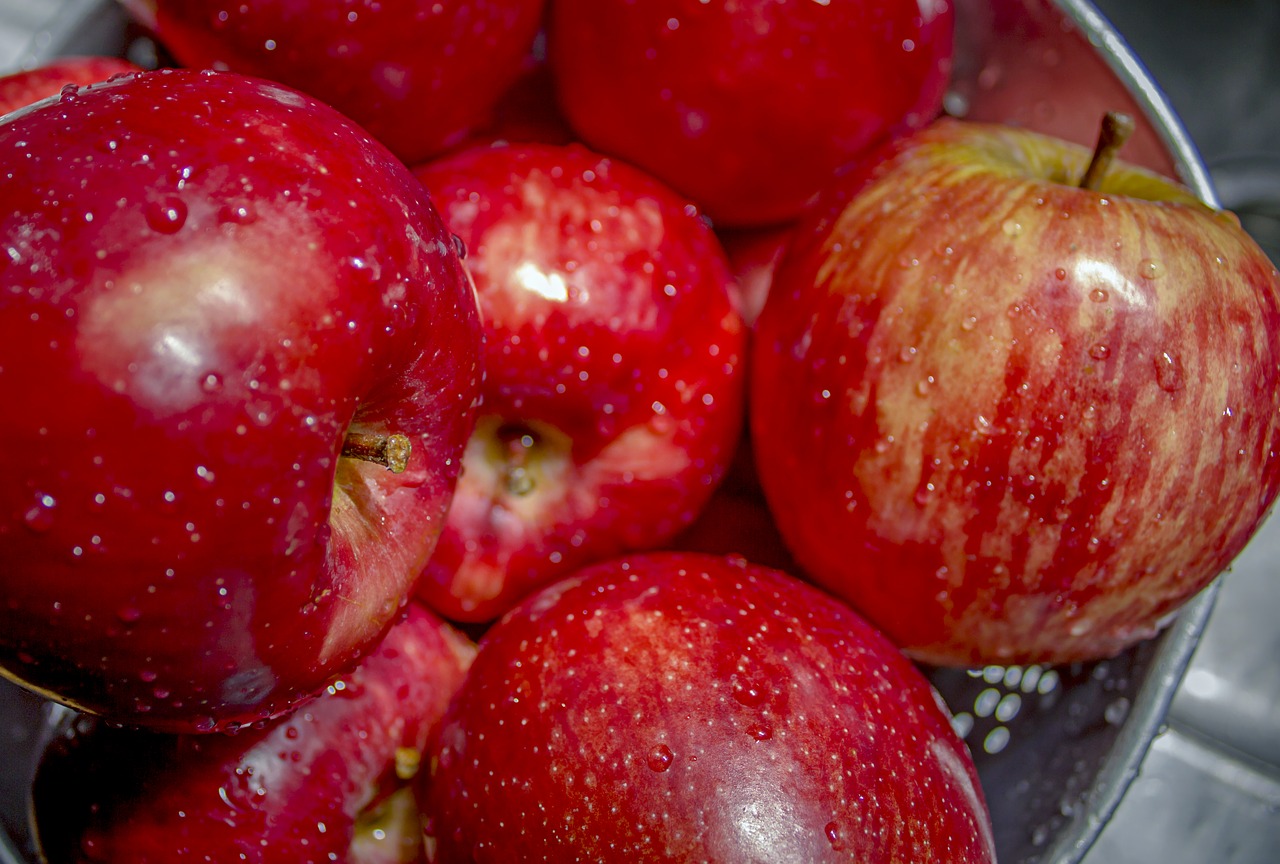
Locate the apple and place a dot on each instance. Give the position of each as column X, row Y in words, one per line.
column 747, row 108
column 21, row 88
column 612, row 402
column 418, row 74
column 312, row 787
column 1038, row 416
column 684, row 707
column 223, row 304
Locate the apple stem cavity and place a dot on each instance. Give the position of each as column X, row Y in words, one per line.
column 391, row 451
column 1116, row 129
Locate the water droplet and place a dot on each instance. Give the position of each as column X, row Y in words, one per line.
column 1150, row 269
column 237, row 213
column 167, row 216
column 1011, row 227
column 1116, row 712
column 211, row 382
column 1060, row 274
column 759, row 732
column 748, row 693
column 832, row 830
column 660, row 758
column 1168, row 371
column 1098, row 295
column 205, row 724
column 39, row 517
column 69, row 92
column 1099, row 352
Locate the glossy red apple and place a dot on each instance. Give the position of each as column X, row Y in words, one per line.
column 612, row 401
column 1037, row 417
column 681, row 707
column 747, row 107
column 214, row 296
column 418, row 74
column 317, row 786
column 21, row 88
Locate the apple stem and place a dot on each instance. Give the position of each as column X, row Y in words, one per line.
column 391, row 451
column 1115, row 131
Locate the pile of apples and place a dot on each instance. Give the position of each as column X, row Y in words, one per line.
column 508, row 430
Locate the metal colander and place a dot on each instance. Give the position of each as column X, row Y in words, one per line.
column 1055, row 747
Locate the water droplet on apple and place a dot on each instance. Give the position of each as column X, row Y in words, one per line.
column 69, row 92
column 1099, row 352
column 1099, row 295
column 832, row 830
column 1150, row 269
column 39, row 517
column 1168, row 371
column 660, row 758
column 759, row 732
column 166, row 216
column 211, row 382
column 748, row 693
column 205, row 724
column 1060, row 274
column 237, row 213
column 1011, row 227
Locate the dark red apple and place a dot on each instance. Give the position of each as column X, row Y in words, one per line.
column 314, row 787
column 418, row 74
column 614, row 369
column 21, row 88
column 217, row 296
column 1037, row 417
column 671, row 707
column 747, row 107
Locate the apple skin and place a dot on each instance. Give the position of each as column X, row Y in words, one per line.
column 684, row 707
column 293, row 791
column 612, row 341
column 747, row 108
column 206, row 289
column 1038, row 418
column 418, row 74
column 21, row 88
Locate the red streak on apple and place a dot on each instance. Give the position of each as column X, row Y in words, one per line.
column 614, row 366
column 684, row 707
column 203, row 291
column 1037, row 418
column 294, row 791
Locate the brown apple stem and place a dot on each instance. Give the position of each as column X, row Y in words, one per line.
column 1115, row 131
column 391, row 451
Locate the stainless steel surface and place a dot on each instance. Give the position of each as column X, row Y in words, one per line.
column 1209, row 788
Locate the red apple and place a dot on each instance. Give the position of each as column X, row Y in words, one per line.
column 1037, row 417
column 613, row 389
column 747, row 107
column 418, row 74
column 214, row 295
column 19, row 89
column 672, row 707
column 308, row 788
